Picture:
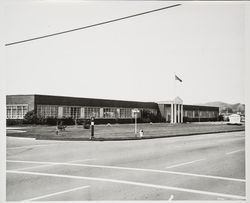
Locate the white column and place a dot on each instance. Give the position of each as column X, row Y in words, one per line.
column 22, row 112
column 101, row 112
column 82, row 112
column 11, row 111
column 182, row 113
column 172, row 113
column 118, row 113
column 178, row 115
column 60, row 112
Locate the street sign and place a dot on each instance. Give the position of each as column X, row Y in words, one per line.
column 134, row 112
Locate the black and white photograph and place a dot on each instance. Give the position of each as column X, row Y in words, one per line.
column 124, row 101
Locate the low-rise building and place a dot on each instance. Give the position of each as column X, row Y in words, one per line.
column 83, row 108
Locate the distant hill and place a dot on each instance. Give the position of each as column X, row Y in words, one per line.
column 225, row 107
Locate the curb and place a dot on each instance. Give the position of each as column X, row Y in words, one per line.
column 130, row 138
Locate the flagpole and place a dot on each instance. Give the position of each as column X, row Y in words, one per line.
column 174, row 106
column 175, row 94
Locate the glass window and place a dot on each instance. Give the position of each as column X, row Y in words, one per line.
column 66, row 111
column 186, row 113
column 16, row 111
column 8, row 112
column 44, row 111
column 75, row 112
column 92, row 112
column 126, row 113
column 190, row 114
column 109, row 112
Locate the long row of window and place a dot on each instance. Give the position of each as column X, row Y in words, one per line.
column 16, row 111
column 199, row 114
column 83, row 112
column 44, row 111
column 91, row 112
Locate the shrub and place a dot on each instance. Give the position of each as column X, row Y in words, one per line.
column 10, row 122
column 67, row 121
column 51, row 121
column 220, row 117
column 30, row 117
column 147, row 116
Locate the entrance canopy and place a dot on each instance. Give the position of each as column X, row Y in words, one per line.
column 172, row 110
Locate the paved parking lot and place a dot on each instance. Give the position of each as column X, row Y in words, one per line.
column 201, row 167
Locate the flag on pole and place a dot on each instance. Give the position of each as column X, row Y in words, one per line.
column 177, row 78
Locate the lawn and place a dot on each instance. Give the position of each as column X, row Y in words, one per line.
column 123, row 131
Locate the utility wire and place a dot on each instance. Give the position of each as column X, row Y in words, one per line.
column 93, row 25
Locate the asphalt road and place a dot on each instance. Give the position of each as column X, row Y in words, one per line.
column 201, row 167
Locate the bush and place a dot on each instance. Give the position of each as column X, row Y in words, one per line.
column 185, row 119
column 67, row 121
column 147, row 116
column 51, row 121
column 220, row 117
column 30, row 117
column 10, row 122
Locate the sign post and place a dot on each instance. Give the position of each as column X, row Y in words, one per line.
column 92, row 127
column 134, row 114
column 135, row 123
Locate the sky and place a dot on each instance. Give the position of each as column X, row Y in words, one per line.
column 203, row 43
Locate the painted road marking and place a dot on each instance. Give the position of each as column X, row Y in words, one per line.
column 30, row 146
column 46, row 165
column 186, row 163
column 17, row 128
column 16, row 131
column 219, row 198
column 236, row 151
column 129, row 183
column 81, row 160
column 20, row 138
column 133, row 169
column 56, row 193
column 171, row 198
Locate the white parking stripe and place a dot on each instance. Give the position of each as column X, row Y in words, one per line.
column 130, row 183
column 171, row 198
column 21, row 138
column 31, row 146
column 232, row 152
column 186, row 163
column 47, row 165
column 16, row 131
column 80, row 160
column 56, row 193
column 133, row 169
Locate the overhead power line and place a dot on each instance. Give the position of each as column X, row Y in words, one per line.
column 93, row 25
